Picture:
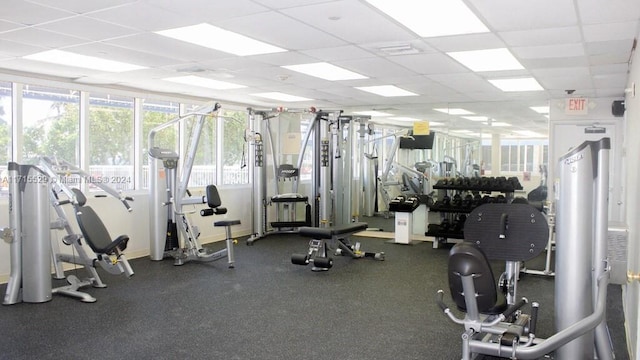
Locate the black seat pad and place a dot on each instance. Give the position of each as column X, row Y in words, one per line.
column 330, row 232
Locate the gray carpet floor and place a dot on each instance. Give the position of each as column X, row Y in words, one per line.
column 265, row 308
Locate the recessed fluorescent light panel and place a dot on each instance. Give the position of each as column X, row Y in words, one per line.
column 404, row 118
column 372, row 113
column 487, row 60
column 476, row 118
column 88, row 62
column 540, row 109
column 281, row 96
column 325, row 71
column 204, row 82
column 521, row 84
column 528, row 133
column 498, row 124
column 386, row 90
column 429, row 18
column 216, row 38
column 454, row 111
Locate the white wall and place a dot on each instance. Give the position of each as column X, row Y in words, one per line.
column 631, row 292
column 136, row 224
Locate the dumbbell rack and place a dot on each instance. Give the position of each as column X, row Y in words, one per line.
column 457, row 197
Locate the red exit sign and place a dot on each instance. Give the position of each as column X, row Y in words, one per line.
column 576, row 106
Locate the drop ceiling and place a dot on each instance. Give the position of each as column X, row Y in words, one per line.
column 581, row 45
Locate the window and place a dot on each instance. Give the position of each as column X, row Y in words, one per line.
column 203, row 172
column 51, row 119
column 155, row 113
column 6, row 107
column 234, row 153
column 111, row 140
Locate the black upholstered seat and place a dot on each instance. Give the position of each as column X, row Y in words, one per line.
column 93, row 230
column 466, row 259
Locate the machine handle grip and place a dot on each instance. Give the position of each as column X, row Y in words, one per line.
column 440, row 301
column 64, row 202
column 534, row 317
column 126, row 204
column 515, row 307
column 206, row 212
column 504, row 224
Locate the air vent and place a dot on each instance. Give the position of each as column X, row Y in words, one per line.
column 405, row 49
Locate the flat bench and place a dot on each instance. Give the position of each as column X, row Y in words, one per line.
column 339, row 239
column 330, row 232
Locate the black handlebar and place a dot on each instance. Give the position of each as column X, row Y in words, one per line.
column 440, row 301
column 534, row 317
column 515, row 307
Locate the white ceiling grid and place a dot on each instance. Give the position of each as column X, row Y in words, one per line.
column 564, row 44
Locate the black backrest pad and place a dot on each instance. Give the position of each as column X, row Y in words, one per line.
column 80, row 198
column 466, row 259
column 525, row 236
column 93, row 229
column 213, row 197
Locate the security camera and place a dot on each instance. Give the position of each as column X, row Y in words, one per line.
column 569, row 92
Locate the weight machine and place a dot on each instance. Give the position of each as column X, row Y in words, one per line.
column 263, row 141
column 582, row 270
column 32, row 189
column 172, row 232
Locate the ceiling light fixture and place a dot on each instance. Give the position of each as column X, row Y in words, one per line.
column 325, row 71
column 476, row 118
column 487, row 60
column 454, row 111
column 204, row 82
column 88, row 62
column 540, row 109
column 430, row 18
column 519, row 84
column 281, row 96
column 386, row 90
column 213, row 37
column 372, row 113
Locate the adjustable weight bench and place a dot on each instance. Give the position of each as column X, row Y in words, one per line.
column 339, row 239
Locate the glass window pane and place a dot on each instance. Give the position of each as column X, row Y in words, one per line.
column 234, row 153
column 154, row 113
column 6, row 106
column 111, row 140
column 504, row 157
column 51, row 119
column 203, row 172
column 529, row 157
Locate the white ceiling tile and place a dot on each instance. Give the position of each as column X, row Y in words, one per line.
column 92, row 29
column 212, row 12
column 466, row 42
column 611, row 31
column 141, row 15
column 289, row 33
column 82, row 6
column 609, row 59
column 162, row 46
column 355, row 23
column 346, row 52
column 581, row 71
column 27, row 13
column 283, row 4
column 429, row 63
column 566, row 82
column 117, row 53
column 609, row 69
column 8, row 26
column 374, row 67
column 464, row 82
column 549, row 51
column 508, row 15
column 609, row 47
column 39, row 67
column 37, row 37
column 598, row 11
column 538, row 37
column 554, row 62
column 611, row 81
column 286, row 58
column 19, row 49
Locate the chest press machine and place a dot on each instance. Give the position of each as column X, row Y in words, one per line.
column 495, row 326
column 32, row 189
